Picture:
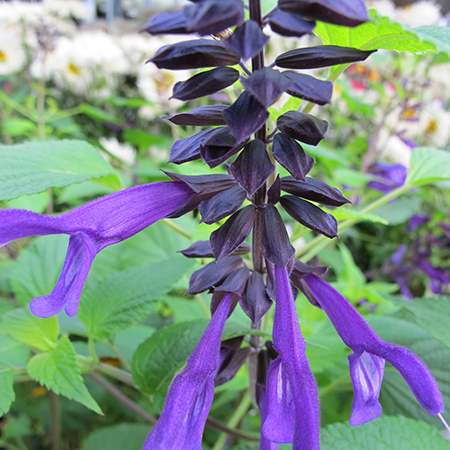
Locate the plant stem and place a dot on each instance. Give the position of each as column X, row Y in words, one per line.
column 91, row 346
column 55, row 416
column 113, row 372
column 332, row 386
column 238, row 415
column 177, row 228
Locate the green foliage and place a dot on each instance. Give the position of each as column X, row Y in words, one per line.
column 35, row 166
column 129, row 436
column 439, row 36
column 120, row 300
column 384, row 433
column 427, row 166
column 162, row 354
column 6, row 388
column 31, row 330
column 59, row 371
column 380, row 33
column 12, row 352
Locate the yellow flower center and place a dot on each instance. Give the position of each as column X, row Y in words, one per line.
column 432, row 126
column 72, row 68
column 408, row 114
column 2, row 56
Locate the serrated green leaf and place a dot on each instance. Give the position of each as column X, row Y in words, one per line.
column 122, row 299
column 432, row 315
column 59, row 371
column 385, row 433
column 35, row 202
column 37, row 269
column 158, row 358
column 129, row 436
column 31, row 330
column 6, row 388
column 428, row 165
column 396, row 396
column 12, row 352
column 33, row 167
column 98, row 114
column 380, row 33
column 439, row 36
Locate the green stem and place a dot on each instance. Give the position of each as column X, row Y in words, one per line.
column 203, row 305
column 320, row 242
column 114, row 372
column 55, row 415
column 332, row 386
column 238, row 415
column 91, row 346
column 41, row 108
column 17, row 106
column 177, row 228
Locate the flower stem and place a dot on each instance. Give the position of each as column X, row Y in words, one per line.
column 177, row 228
column 55, row 415
column 238, row 415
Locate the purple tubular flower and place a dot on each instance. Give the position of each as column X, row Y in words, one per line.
column 291, row 403
column 92, row 227
column 369, row 354
column 390, row 176
column 189, row 399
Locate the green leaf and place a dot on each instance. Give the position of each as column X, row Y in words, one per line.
column 439, row 36
column 129, row 436
column 118, row 301
column 427, row 166
column 351, row 177
column 351, row 272
column 400, row 210
column 381, row 33
column 31, row 330
column 432, row 315
column 127, row 341
column 33, row 167
column 35, row 202
column 17, row 127
column 98, row 114
column 342, row 214
column 59, row 371
column 13, row 353
column 37, row 269
column 6, row 388
column 396, row 396
column 142, row 139
column 158, row 358
column 385, row 433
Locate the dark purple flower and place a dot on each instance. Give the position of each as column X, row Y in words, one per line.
column 388, row 177
column 291, row 405
column 415, row 221
column 369, row 354
column 92, row 227
column 190, row 396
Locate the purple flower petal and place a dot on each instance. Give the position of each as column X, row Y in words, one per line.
column 189, row 399
column 92, row 227
column 291, row 397
column 358, row 335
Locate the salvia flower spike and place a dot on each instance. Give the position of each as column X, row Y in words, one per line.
column 92, row 227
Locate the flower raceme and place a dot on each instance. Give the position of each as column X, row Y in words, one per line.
column 369, row 356
column 92, row 227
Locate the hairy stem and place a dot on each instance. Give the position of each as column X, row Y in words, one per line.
column 55, row 417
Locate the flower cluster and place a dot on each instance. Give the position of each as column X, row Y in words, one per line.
column 249, row 198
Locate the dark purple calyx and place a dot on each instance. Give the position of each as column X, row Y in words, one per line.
column 310, row 215
column 301, row 270
column 205, row 186
column 252, row 167
column 167, row 23
column 233, row 232
column 212, row 274
column 266, row 85
column 219, row 146
column 222, row 205
column 211, row 17
column 274, row 192
column 202, row 249
column 314, row 190
column 276, row 246
column 291, row 156
column 194, row 55
column 303, row 127
column 349, row 13
column 245, row 116
column 188, row 149
column 289, row 24
column 247, row 40
column 205, row 83
column 309, row 88
column 232, row 361
column 235, row 282
column 321, row 56
column 254, row 301
column 208, row 115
